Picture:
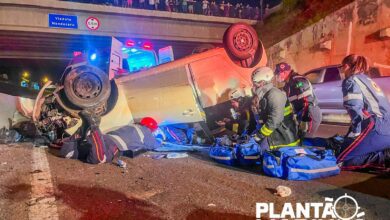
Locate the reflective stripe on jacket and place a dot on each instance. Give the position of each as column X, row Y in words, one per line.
column 132, row 137
column 362, row 94
column 276, row 113
column 301, row 95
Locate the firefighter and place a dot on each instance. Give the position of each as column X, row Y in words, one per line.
column 279, row 128
column 300, row 93
column 368, row 140
column 242, row 121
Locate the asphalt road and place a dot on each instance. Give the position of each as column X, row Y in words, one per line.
column 187, row 188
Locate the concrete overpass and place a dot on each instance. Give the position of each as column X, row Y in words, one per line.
column 25, row 31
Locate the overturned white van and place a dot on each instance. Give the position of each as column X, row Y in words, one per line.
column 188, row 90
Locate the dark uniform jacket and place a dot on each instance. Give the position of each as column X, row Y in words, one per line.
column 369, row 110
column 245, row 122
column 300, row 94
column 132, row 137
column 363, row 98
column 276, row 113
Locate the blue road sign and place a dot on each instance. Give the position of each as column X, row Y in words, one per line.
column 63, row 21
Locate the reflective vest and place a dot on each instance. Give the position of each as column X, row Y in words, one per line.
column 300, row 93
column 277, row 115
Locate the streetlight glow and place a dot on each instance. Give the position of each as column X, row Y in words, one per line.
column 45, row 79
column 26, row 74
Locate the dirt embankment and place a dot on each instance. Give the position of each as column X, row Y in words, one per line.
column 295, row 16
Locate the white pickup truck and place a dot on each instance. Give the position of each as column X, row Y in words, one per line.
column 327, row 87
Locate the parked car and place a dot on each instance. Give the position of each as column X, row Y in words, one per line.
column 327, row 87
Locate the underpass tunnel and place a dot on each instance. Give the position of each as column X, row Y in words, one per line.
column 41, row 57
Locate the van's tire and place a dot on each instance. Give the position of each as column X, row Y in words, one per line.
column 87, row 86
column 241, row 41
column 253, row 60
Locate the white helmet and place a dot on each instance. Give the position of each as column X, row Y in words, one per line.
column 262, row 74
column 236, row 93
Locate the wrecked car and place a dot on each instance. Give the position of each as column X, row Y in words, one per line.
column 192, row 90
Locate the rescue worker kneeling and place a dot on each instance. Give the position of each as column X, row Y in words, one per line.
column 368, row 141
column 279, row 129
column 242, row 120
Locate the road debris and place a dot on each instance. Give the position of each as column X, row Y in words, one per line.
column 9, row 136
column 176, row 155
column 157, row 156
column 36, row 171
column 283, row 191
column 122, row 164
column 42, row 146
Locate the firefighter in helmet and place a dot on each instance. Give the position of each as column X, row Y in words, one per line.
column 242, row 121
column 279, row 128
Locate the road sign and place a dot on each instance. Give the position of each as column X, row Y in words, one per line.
column 63, row 21
column 92, row 23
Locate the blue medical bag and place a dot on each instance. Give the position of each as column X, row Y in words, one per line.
column 248, row 154
column 223, row 154
column 298, row 163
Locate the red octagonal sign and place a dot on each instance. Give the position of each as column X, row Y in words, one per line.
column 92, row 23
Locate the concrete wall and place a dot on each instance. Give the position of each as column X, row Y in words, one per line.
column 32, row 16
column 356, row 28
column 269, row 11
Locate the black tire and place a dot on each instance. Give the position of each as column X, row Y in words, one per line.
column 253, row 60
column 87, row 86
column 241, row 41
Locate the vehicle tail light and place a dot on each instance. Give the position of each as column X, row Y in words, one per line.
column 130, row 43
column 77, row 53
column 147, row 46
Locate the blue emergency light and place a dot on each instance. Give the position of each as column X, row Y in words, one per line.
column 93, row 57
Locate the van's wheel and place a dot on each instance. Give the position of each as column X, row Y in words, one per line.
column 241, row 41
column 87, row 86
